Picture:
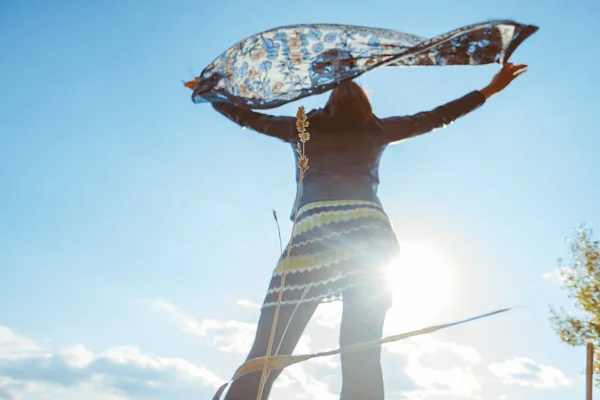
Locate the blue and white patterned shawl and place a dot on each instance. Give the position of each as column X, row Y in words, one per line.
column 284, row 64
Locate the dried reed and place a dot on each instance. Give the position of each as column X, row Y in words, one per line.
column 278, row 232
column 301, row 125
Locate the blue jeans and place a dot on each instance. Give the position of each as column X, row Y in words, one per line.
column 362, row 320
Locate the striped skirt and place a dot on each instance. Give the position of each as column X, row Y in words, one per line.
column 335, row 245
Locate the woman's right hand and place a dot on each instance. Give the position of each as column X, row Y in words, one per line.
column 503, row 78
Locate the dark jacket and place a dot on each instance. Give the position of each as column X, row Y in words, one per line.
column 343, row 160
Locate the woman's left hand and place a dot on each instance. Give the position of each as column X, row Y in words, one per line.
column 503, row 78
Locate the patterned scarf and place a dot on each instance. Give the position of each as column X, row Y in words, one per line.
column 284, row 64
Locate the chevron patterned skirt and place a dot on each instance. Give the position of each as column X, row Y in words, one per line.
column 336, row 245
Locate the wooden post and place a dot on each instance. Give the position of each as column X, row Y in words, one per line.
column 590, row 369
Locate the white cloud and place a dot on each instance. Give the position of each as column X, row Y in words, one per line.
column 12, row 344
column 453, row 371
column 158, row 370
column 526, row 372
column 237, row 337
column 457, row 380
column 303, row 385
column 9, row 388
column 429, row 346
column 227, row 336
column 76, row 356
column 438, row 368
column 165, row 305
column 554, row 276
column 116, row 374
column 437, row 395
column 248, row 304
column 550, row 275
column 329, row 315
column 88, row 391
column 4, row 394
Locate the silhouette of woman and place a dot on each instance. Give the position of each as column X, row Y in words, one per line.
column 343, row 239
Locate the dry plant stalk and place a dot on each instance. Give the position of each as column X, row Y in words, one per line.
column 278, row 231
column 281, row 362
column 301, row 125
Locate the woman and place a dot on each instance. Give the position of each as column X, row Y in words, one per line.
column 343, row 240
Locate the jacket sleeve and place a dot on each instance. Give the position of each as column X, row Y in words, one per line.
column 274, row 126
column 404, row 127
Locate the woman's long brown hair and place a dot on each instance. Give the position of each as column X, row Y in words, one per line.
column 348, row 102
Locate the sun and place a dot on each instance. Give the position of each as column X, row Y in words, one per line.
column 422, row 282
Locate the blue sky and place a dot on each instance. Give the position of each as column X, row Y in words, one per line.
column 136, row 234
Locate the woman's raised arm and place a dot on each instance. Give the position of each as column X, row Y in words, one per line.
column 404, row 127
column 279, row 127
column 400, row 128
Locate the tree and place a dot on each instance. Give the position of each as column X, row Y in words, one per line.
column 580, row 276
